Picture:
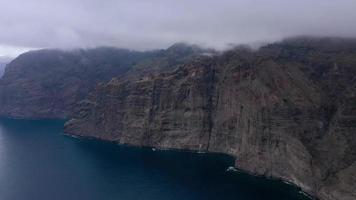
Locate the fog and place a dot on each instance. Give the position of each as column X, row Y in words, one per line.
column 141, row 25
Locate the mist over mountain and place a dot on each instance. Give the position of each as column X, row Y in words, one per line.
column 142, row 25
column 47, row 83
column 270, row 83
column 3, row 62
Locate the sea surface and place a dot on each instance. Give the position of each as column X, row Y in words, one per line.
column 39, row 162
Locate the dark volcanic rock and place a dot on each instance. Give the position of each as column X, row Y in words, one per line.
column 287, row 111
column 139, row 112
column 47, row 83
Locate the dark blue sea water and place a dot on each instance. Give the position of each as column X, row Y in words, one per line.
column 38, row 162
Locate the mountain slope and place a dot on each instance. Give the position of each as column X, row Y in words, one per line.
column 285, row 111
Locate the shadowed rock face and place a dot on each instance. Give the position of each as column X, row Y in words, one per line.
column 287, row 110
column 47, row 83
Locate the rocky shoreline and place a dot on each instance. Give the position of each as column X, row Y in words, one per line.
column 234, row 170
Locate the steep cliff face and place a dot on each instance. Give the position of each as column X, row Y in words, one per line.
column 47, row 83
column 285, row 111
column 176, row 104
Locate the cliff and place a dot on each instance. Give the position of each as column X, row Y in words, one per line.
column 47, row 83
column 286, row 111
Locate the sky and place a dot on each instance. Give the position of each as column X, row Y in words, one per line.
column 151, row 24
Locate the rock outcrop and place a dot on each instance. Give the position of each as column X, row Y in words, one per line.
column 286, row 111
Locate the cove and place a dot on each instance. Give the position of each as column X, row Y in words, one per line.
column 39, row 162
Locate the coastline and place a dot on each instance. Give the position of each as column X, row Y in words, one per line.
column 236, row 169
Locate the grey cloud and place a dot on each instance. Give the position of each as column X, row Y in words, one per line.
column 148, row 24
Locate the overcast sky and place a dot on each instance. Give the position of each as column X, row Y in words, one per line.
column 147, row 24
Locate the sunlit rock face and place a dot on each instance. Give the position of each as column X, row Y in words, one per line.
column 287, row 111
